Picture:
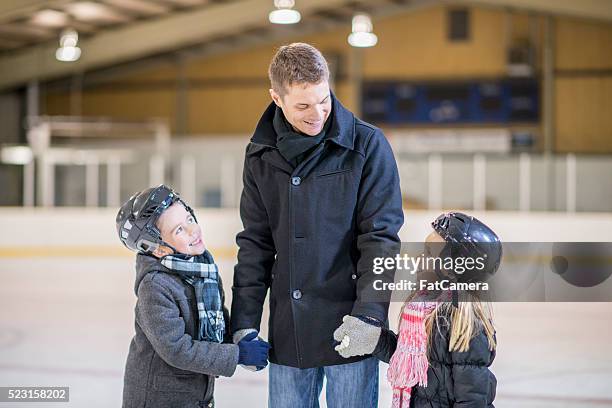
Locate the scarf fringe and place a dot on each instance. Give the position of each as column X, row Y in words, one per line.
column 401, row 398
column 408, row 370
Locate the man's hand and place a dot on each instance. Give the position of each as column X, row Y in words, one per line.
column 356, row 337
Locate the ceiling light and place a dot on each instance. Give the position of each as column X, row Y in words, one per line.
column 69, row 38
column 68, row 51
column 284, row 13
column 68, row 54
column 362, row 35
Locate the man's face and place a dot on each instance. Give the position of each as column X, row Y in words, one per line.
column 179, row 229
column 305, row 106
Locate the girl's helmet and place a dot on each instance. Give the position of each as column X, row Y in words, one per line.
column 137, row 218
column 466, row 237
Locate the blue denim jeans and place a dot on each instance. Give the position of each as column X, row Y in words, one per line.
column 353, row 385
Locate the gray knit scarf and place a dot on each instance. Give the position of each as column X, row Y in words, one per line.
column 202, row 273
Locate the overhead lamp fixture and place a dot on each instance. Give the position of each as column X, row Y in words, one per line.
column 284, row 13
column 362, row 35
column 68, row 51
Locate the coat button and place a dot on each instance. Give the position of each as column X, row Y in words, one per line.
column 353, row 276
column 297, row 294
column 296, row 181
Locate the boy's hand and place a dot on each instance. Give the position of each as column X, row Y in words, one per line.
column 253, row 352
column 241, row 334
column 356, row 337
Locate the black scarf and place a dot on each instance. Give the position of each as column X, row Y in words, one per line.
column 294, row 146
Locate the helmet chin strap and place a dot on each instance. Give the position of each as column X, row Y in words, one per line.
column 157, row 244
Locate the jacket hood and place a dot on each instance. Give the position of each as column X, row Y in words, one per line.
column 144, row 265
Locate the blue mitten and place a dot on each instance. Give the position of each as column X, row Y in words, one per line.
column 253, row 352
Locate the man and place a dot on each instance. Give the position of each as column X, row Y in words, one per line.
column 321, row 198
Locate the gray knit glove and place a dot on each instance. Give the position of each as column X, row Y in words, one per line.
column 356, row 337
column 239, row 335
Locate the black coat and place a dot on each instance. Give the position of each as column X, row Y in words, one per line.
column 454, row 379
column 310, row 233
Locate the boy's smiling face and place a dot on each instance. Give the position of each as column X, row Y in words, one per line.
column 179, row 229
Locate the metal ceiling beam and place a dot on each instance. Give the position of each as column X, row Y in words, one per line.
column 25, row 31
column 10, row 43
column 144, row 38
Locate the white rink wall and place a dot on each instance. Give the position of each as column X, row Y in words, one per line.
column 29, row 230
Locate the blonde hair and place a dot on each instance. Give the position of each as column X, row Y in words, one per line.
column 466, row 320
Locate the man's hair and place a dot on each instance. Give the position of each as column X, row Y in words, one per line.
column 297, row 63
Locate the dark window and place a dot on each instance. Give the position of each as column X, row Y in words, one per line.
column 443, row 92
column 374, row 102
column 490, row 104
column 405, row 103
column 405, row 106
column 458, row 24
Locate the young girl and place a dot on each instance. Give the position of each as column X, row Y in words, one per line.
column 446, row 341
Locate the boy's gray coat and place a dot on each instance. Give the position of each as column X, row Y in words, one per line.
column 165, row 366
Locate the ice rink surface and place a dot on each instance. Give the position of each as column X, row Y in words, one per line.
column 68, row 321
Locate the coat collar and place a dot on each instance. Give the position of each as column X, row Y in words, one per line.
column 341, row 132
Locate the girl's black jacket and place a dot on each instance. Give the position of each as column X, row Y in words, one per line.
column 454, row 379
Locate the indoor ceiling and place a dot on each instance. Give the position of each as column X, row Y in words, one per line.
column 28, row 23
column 118, row 31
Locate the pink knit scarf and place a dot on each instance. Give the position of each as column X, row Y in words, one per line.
column 408, row 366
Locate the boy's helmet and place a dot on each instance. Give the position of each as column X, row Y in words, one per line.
column 466, row 236
column 137, row 218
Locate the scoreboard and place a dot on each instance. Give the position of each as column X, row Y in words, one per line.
column 497, row 101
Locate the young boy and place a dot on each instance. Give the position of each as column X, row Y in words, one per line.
column 181, row 323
